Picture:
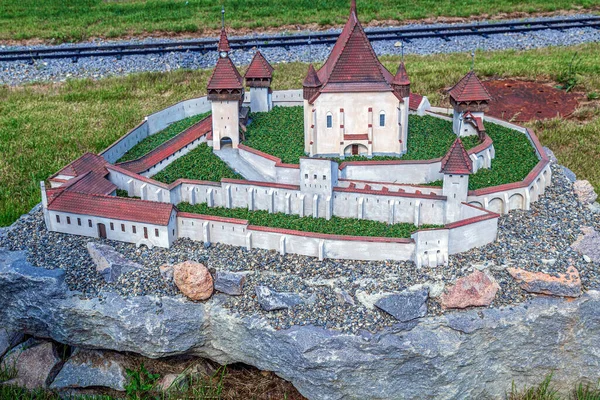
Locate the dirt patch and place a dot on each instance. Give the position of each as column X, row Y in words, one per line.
column 314, row 27
column 522, row 101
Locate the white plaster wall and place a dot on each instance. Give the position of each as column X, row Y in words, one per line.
column 264, row 165
column 126, row 143
column 431, row 247
column 407, row 173
column 318, row 176
column 287, row 98
column 174, row 157
column 218, row 232
column 226, row 122
column 259, row 100
column 474, row 235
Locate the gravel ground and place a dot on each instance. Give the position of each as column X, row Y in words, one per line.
column 538, row 240
column 15, row 73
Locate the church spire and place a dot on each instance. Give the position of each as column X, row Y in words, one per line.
column 353, row 6
column 223, row 40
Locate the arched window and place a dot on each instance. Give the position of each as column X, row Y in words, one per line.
column 382, row 118
column 329, row 120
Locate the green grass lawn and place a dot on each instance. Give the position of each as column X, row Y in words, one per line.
column 152, row 142
column 43, row 127
column 333, row 226
column 73, row 20
column 199, row 164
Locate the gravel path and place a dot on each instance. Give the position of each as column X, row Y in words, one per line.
column 15, row 73
column 538, row 240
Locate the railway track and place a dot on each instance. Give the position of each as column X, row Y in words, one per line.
column 319, row 38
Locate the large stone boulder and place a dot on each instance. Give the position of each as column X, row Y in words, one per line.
column 109, row 262
column 588, row 244
column 270, row 300
column 475, row 290
column 9, row 339
column 194, row 280
column 34, row 364
column 92, row 368
column 565, row 285
column 475, row 354
column 406, row 305
column 585, row 192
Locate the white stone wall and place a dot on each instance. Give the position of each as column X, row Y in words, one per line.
column 120, row 230
column 287, row 98
column 174, row 157
column 225, row 122
column 260, row 101
column 407, row 172
column 126, row 143
column 270, row 166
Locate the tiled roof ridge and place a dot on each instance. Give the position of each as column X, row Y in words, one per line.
column 469, row 88
column 223, row 41
column 259, row 67
column 225, row 67
column 457, row 160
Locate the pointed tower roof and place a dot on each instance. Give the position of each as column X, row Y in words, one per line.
column 224, row 41
column 353, row 65
column 401, row 77
column 312, row 79
column 457, row 160
column 468, row 89
column 259, row 68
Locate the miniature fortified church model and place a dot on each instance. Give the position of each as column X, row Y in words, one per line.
column 352, row 106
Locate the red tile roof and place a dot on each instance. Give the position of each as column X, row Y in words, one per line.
column 312, row 79
column 259, row 68
column 457, row 160
column 414, row 101
column 468, row 89
column 353, row 61
column 225, row 76
column 475, row 121
column 401, row 77
column 223, row 41
column 358, row 136
column 169, row 147
column 118, row 208
column 90, row 183
column 85, row 163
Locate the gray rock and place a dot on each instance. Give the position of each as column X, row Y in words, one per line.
column 167, row 272
column 471, row 354
column 110, row 263
column 551, row 155
column 35, row 364
column 271, row 300
column 342, row 297
column 588, row 245
column 570, row 175
column 92, row 368
column 8, row 340
column 594, row 207
column 405, row 306
column 230, row 283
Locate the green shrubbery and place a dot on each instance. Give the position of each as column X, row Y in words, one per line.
column 199, row 164
column 152, row 142
column 334, row 226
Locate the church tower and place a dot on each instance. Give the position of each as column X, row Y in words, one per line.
column 258, row 78
column 470, row 100
column 226, row 94
column 401, row 86
column 456, row 167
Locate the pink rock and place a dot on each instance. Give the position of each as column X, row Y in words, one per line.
column 475, row 290
column 585, row 192
column 34, row 365
column 194, row 280
column 564, row 285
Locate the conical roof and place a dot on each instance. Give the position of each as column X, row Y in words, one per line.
column 401, row 77
column 259, row 68
column 468, row 89
column 225, row 76
column 224, row 41
column 457, row 160
column 312, row 79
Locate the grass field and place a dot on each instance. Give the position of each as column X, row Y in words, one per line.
column 73, row 20
column 44, row 127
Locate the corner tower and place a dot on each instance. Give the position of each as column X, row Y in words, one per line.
column 226, row 93
column 258, row 79
column 456, row 167
column 468, row 97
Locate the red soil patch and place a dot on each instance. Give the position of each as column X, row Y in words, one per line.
column 521, row 101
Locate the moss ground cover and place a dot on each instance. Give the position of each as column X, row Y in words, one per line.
column 199, row 164
column 68, row 20
column 334, row 226
column 43, row 127
column 152, row 142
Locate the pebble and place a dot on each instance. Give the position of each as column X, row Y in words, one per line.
column 59, row 70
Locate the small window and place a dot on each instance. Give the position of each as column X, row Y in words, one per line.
column 123, row 227
column 305, row 176
column 69, row 220
column 329, row 121
column 324, row 177
column 382, row 119
column 90, row 223
column 58, row 218
column 79, row 221
column 315, row 176
column 112, row 226
column 133, row 229
column 156, row 232
column 145, row 233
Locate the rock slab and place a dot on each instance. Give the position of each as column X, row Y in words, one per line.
column 475, row 290
column 585, row 192
column 194, row 280
column 588, row 244
column 9, row 339
column 563, row 285
column 271, row 300
column 472, row 354
column 405, row 306
column 109, row 262
column 35, row 364
column 92, row 368
column 231, row 283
